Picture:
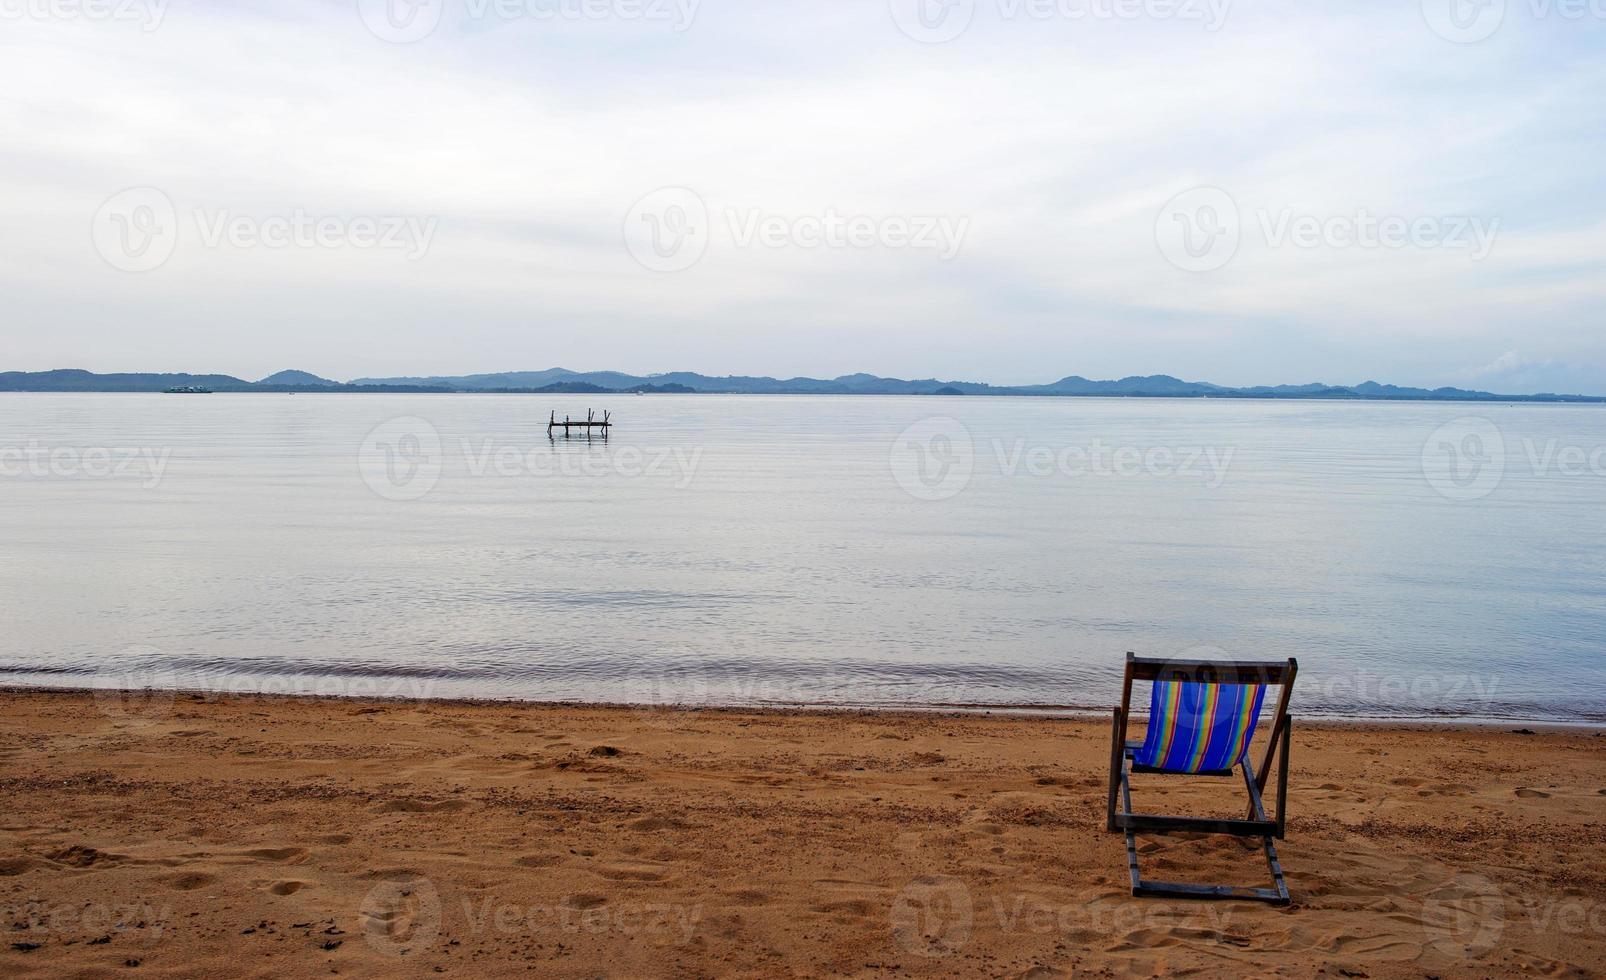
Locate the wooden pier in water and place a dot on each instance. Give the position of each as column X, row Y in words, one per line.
column 591, row 422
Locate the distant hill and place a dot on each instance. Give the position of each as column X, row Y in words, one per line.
column 297, row 378
column 557, row 387
column 665, row 389
column 72, row 379
column 563, row 381
column 76, row 380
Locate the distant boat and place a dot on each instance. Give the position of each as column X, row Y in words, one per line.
column 188, row 390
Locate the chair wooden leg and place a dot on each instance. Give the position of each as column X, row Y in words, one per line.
column 1282, row 778
column 1117, row 747
column 1257, row 807
column 1276, row 867
column 1131, row 837
column 1278, row 748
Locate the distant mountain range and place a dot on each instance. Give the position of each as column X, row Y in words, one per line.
column 71, row 379
column 563, row 381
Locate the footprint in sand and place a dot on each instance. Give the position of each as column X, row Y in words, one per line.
column 749, row 897
column 281, row 855
column 537, row 860
column 1145, row 939
column 657, row 823
column 1532, row 794
column 10, row 867
column 391, row 874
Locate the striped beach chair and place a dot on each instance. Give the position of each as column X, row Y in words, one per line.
column 1202, row 717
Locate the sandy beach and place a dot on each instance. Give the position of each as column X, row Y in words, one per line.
column 195, row 835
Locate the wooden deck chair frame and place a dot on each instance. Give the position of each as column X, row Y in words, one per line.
column 1257, row 824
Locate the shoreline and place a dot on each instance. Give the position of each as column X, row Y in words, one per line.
column 1066, row 712
column 370, row 837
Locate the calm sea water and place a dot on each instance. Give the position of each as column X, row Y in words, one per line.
column 1418, row 559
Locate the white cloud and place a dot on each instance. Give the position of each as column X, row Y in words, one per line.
column 1057, row 141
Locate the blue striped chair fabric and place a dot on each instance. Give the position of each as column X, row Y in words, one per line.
column 1199, row 727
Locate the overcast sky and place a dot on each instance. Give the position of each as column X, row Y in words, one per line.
column 995, row 190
